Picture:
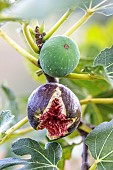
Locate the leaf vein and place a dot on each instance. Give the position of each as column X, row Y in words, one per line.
column 39, row 153
column 104, row 143
column 108, row 65
column 95, row 147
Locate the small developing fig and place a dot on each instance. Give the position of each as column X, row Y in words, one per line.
column 59, row 56
column 54, row 107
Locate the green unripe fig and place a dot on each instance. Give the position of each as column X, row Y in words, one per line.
column 59, row 56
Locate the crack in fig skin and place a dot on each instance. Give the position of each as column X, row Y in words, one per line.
column 54, row 120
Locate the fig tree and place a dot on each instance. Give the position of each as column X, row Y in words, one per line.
column 54, row 107
column 59, row 56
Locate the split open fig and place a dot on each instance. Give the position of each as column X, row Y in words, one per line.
column 54, row 107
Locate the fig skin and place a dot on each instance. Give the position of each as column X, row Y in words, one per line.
column 59, row 56
column 63, row 118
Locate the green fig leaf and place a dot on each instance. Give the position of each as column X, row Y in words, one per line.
column 4, row 4
column 95, row 116
column 7, row 162
column 98, row 71
column 105, row 58
column 6, row 118
column 41, row 8
column 12, row 102
column 106, row 8
column 101, row 6
column 40, row 158
column 99, row 142
column 29, row 9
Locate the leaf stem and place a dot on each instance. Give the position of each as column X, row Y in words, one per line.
column 42, row 28
column 93, row 167
column 14, row 128
column 4, row 18
column 82, row 20
column 97, row 100
column 23, row 52
column 27, row 34
column 83, row 76
column 59, row 23
column 22, row 131
column 31, row 30
column 19, row 133
column 84, row 128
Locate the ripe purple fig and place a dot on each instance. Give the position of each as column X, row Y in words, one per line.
column 54, row 107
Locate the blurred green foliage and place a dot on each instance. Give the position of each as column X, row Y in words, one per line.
column 4, row 4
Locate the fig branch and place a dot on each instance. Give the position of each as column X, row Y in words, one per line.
column 29, row 38
column 58, row 24
column 85, row 165
column 23, row 52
